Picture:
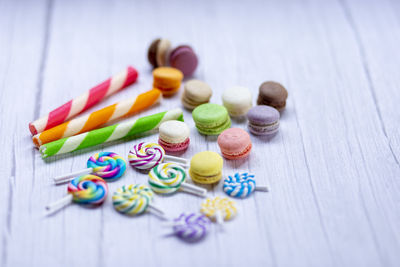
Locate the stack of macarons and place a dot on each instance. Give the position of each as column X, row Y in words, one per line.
column 234, row 143
column 182, row 57
column 174, row 136
column 211, row 119
column 195, row 93
column 237, row 100
column 206, row 167
column 167, row 80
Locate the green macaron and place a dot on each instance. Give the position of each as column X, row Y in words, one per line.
column 211, row 119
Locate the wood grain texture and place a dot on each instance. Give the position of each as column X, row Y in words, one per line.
column 333, row 169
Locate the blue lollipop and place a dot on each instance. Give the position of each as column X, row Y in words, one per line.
column 241, row 185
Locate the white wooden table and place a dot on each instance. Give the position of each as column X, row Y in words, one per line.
column 333, row 170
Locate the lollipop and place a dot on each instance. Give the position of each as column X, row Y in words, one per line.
column 107, row 165
column 145, row 156
column 220, row 208
column 85, row 190
column 135, row 199
column 166, row 178
column 241, row 185
column 191, row 227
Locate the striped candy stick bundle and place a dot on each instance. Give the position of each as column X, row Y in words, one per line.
column 110, row 133
column 85, row 101
column 95, row 119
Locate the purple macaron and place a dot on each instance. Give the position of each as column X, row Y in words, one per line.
column 184, row 58
column 263, row 120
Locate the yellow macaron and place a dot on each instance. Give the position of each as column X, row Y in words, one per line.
column 206, row 167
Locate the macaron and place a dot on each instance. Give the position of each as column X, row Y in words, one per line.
column 206, row 167
column 174, row 136
column 235, row 143
column 263, row 120
column 167, row 80
column 211, row 119
column 195, row 93
column 272, row 94
column 158, row 52
column 237, row 100
column 184, row 58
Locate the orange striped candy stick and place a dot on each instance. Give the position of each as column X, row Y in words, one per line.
column 95, row 119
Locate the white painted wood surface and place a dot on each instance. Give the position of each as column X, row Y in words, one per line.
column 333, row 170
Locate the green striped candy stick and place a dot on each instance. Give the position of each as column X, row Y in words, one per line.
column 110, row 133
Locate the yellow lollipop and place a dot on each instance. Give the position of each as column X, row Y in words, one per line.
column 219, row 209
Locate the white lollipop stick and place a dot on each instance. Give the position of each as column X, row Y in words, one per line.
column 218, row 217
column 181, row 161
column 263, row 188
column 189, row 188
column 70, row 176
column 156, row 211
column 59, row 204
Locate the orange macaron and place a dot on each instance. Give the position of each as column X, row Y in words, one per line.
column 167, row 80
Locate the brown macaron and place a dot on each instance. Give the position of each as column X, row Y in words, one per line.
column 272, row 94
column 158, row 52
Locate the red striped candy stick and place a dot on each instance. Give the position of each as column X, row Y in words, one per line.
column 85, row 101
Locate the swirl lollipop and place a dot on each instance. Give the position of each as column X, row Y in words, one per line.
column 241, row 185
column 85, row 190
column 135, row 199
column 220, row 208
column 166, row 178
column 145, row 156
column 191, row 227
column 107, row 165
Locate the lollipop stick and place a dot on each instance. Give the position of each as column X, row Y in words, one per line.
column 156, row 211
column 59, row 204
column 68, row 177
column 263, row 188
column 181, row 161
column 218, row 217
column 193, row 189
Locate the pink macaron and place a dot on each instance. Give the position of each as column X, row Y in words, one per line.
column 235, row 143
column 174, row 136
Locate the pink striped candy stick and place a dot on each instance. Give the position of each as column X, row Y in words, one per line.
column 85, row 101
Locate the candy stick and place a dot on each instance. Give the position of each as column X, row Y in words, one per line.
column 85, row 101
column 167, row 178
column 242, row 185
column 146, row 155
column 110, row 133
column 95, row 119
column 135, row 199
column 86, row 190
column 107, row 165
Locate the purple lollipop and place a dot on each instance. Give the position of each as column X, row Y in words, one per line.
column 191, row 227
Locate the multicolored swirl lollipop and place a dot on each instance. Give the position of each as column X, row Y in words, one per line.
column 191, row 227
column 147, row 155
column 241, row 185
column 107, row 165
column 167, row 178
column 86, row 190
column 219, row 209
column 135, row 199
